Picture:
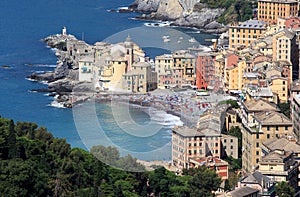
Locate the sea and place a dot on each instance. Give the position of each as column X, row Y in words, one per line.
column 142, row 132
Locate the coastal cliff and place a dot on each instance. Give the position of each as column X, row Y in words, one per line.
column 188, row 13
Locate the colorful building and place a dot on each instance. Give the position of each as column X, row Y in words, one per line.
column 164, row 66
column 279, row 85
column 205, row 71
column 243, row 34
column 270, row 10
column 184, row 61
column 140, row 78
column 218, row 165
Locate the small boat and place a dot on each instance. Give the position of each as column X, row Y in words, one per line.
column 192, row 40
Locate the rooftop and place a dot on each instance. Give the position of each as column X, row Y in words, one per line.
column 259, row 105
column 276, row 156
column 209, row 161
column 252, row 24
column 243, row 191
column 282, row 143
column 279, row 1
column 187, row 132
column 255, row 178
column 272, row 118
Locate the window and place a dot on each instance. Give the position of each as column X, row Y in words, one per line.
column 268, row 128
column 231, row 147
column 268, row 136
column 216, row 151
column 195, row 151
column 257, row 135
column 257, row 152
column 231, row 140
column 286, row 128
column 195, row 144
column 190, row 144
column 190, row 152
column 225, row 141
column 257, row 144
column 276, row 128
column 257, row 160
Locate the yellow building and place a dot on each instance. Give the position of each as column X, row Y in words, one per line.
column 182, row 59
column 270, row 10
column 140, row 78
column 281, row 166
column 164, row 65
column 245, row 33
column 110, row 74
column 234, row 76
column 265, row 125
column 279, row 85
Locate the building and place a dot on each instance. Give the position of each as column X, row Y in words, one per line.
column 243, row 34
column 205, row 71
column 234, row 76
column 186, row 63
column 218, row 165
column 140, row 78
column 279, row 85
column 250, row 107
column 244, row 192
column 164, row 66
column 86, row 69
column 189, row 143
column 270, row 10
column 261, row 121
column 229, row 146
column 285, row 48
column 280, row 165
column 288, row 144
column 257, row 180
column 295, row 107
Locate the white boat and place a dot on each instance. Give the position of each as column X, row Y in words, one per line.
column 192, row 40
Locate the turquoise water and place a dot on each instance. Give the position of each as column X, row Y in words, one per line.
column 22, row 25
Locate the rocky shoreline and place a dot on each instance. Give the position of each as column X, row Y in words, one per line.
column 180, row 13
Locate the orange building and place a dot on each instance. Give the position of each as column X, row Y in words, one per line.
column 270, row 10
column 220, row 166
column 205, row 71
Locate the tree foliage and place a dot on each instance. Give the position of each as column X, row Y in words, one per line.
column 282, row 189
column 34, row 163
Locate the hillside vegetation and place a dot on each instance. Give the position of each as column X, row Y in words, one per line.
column 34, row 163
column 235, row 10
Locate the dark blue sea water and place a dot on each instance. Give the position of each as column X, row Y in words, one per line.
column 22, row 25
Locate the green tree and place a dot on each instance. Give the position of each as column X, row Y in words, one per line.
column 282, row 189
column 204, row 182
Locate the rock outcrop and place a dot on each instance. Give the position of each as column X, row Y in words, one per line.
column 189, row 13
column 145, row 5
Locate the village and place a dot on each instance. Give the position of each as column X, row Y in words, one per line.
column 252, row 77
